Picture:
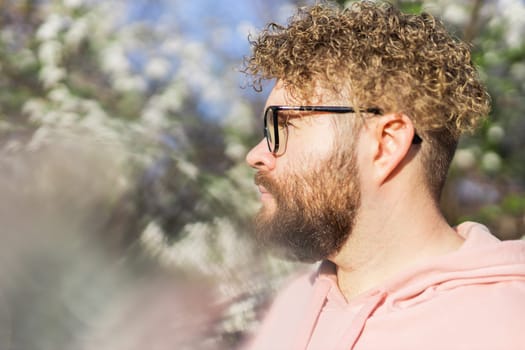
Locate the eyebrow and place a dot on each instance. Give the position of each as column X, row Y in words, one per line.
column 295, row 114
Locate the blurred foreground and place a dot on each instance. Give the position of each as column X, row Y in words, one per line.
column 126, row 204
column 65, row 282
column 71, row 278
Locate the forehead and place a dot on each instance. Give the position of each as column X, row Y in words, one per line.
column 281, row 96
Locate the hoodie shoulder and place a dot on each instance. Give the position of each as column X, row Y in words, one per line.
column 482, row 316
column 473, row 298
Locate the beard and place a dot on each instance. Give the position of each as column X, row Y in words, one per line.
column 314, row 213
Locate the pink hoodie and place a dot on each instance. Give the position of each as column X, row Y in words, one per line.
column 473, row 298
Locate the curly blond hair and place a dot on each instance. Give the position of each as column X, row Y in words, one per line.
column 384, row 58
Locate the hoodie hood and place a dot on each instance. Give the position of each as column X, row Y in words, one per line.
column 447, row 282
column 482, row 259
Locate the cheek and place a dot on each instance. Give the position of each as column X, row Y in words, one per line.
column 364, row 166
column 310, row 144
column 323, row 138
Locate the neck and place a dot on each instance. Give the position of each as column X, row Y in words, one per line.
column 381, row 246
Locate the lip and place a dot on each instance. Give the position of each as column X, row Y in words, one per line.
column 265, row 195
column 262, row 189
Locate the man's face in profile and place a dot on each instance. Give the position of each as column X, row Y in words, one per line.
column 310, row 194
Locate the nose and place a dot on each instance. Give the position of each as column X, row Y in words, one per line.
column 260, row 157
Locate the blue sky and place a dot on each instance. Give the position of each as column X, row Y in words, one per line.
column 198, row 18
column 218, row 24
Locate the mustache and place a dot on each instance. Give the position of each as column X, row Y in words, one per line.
column 263, row 179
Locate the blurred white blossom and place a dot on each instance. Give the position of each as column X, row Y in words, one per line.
column 51, row 75
column 155, row 117
column 34, row 108
column 464, row 159
column 39, row 138
column 59, row 94
column 194, row 50
column 513, row 13
column 172, row 98
column 188, row 169
column 114, row 60
column 153, row 237
column 129, row 83
column 132, row 84
column 190, row 252
column 491, row 162
column 240, row 315
column 171, row 46
column 495, row 133
column 214, row 93
column 50, row 53
column 240, row 117
column 50, row 28
column 77, row 33
column 158, row 68
column 517, row 70
column 25, row 58
column 73, row 4
column 455, row 13
column 235, row 150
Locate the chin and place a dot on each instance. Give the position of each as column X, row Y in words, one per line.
column 268, row 208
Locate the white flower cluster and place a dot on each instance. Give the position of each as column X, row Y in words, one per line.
column 506, row 15
column 512, row 16
column 101, row 79
column 490, row 161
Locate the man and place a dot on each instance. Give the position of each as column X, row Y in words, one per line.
column 360, row 129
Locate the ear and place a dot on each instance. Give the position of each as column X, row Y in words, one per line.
column 393, row 134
